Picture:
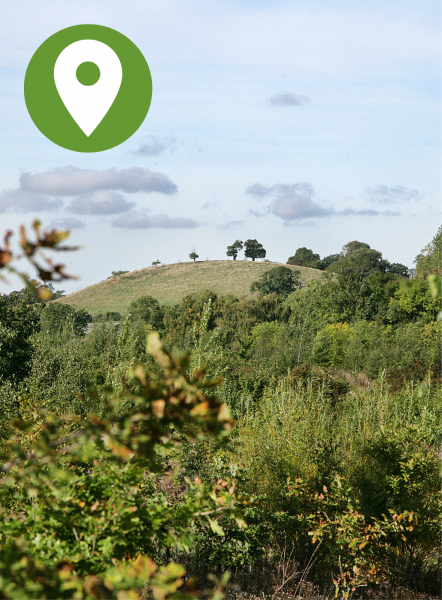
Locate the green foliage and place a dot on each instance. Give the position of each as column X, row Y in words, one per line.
column 147, row 310
column 234, row 249
column 118, row 459
column 117, row 273
column 413, row 300
column 18, row 322
column 253, row 249
column 328, row 261
column 429, row 260
column 280, row 280
column 55, row 316
column 35, row 295
column 193, row 255
column 81, row 504
column 303, row 257
column 109, row 316
column 330, row 344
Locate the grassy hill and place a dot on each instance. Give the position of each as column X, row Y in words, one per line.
column 170, row 283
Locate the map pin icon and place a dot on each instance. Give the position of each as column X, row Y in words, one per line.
column 88, row 104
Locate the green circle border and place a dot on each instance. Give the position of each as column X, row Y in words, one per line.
column 50, row 115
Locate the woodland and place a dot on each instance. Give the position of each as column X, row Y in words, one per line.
column 284, row 444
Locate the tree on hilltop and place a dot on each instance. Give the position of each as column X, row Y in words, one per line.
column 303, row 257
column 234, row 249
column 193, row 255
column 254, row 249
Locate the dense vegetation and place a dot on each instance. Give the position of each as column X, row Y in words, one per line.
column 120, row 460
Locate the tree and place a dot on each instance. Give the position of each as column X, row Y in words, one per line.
column 352, row 247
column 254, row 249
column 234, row 249
column 303, row 257
column 193, row 255
column 18, row 322
column 56, row 315
column 155, row 263
column 360, row 262
column 329, row 260
column 148, row 310
column 398, row 269
column 280, row 280
column 430, row 258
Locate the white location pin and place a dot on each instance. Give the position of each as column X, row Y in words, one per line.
column 88, row 104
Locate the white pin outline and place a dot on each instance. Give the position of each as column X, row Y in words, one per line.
column 88, row 105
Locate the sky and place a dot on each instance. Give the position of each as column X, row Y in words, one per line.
column 295, row 123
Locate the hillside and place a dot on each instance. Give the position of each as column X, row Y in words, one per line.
column 170, row 283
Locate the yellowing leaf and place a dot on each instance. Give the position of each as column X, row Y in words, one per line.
column 216, row 528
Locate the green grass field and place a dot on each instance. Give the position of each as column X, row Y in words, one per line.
column 170, row 283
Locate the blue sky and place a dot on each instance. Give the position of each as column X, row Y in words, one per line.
column 295, row 123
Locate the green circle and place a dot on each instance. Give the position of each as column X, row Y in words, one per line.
column 127, row 111
column 88, row 73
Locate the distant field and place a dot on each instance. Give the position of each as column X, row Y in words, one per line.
column 170, row 283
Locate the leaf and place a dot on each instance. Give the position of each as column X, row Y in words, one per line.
column 216, row 528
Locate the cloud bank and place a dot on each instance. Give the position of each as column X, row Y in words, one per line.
column 70, row 181
column 18, row 200
column 293, row 203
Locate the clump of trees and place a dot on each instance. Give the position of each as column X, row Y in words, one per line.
column 253, row 249
column 280, row 280
column 354, row 255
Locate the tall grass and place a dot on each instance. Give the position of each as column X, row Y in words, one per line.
column 293, row 429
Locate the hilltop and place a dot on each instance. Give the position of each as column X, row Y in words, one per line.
column 170, row 283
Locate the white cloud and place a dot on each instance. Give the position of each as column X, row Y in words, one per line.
column 142, row 221
column 17, row 200
column 295, row 206
column 100, row 203
column 69, row 181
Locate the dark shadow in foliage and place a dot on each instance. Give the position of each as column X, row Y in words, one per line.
column 334, row 387
column 55, row 316
column 109, row 316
